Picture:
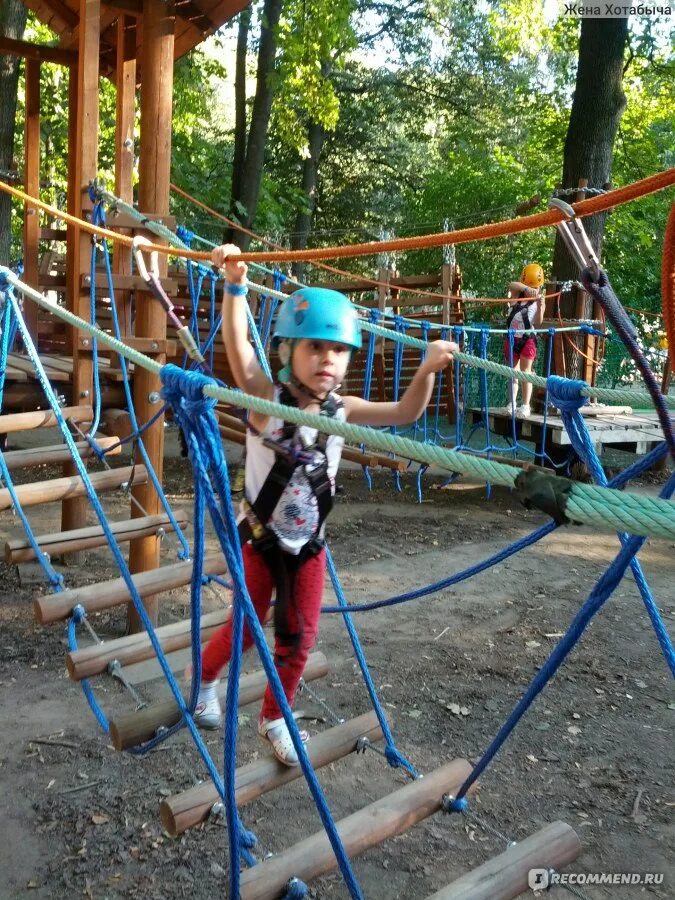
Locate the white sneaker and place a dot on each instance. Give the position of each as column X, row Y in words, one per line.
column 276, row 732
column 525, row 411
column 508, row 409
column 208, row 713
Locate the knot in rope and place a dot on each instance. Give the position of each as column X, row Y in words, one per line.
column 185, row 388
column 78, row 613
column 296, row 890
column 397, row 761
column 185, row 235
column 247, row 838
column 565, row 393
column 374, row 315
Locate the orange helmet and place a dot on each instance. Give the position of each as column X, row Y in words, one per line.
column 532, row 275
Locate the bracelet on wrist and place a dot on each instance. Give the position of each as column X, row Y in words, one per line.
column 236, row 290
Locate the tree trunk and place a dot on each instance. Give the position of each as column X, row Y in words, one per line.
column 260, row 117
column 12, row 23
column 310, row 175
column 597, row 108
column 239, row 157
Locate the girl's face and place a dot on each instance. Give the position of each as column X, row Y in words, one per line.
column 320, row 365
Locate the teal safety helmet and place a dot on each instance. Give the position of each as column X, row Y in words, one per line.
column 317, row 314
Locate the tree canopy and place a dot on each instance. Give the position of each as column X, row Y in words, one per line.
column 430, row 110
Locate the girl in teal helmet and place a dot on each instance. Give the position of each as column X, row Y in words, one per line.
column 290, row 474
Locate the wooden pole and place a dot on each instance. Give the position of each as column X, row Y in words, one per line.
column 506, row 876
column 153, row 197
column 106, row 594
column 136, row 727
column 369, row 826
column 31, row 216
column 83, row 146
column 183, row 811
column 124, row 150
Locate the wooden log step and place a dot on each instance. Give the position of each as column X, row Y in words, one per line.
column 139, row 726
column 72, row 486
column 19, row 549
column 505, row 876
column 43, row 418
column 24, row 364
column 106, row 594
column 93, row 660
column 58, row 453
column 183, row 811
column 369, row 826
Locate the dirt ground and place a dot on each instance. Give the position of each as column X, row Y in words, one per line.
column 595, row 750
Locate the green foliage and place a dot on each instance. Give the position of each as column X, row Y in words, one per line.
column 314, row 36
column 434, row 110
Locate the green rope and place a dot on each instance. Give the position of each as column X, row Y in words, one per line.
column 587, row 504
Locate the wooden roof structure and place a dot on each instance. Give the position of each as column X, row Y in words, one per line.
column 195, row 21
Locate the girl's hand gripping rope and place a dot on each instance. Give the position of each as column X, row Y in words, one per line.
column 225, row 257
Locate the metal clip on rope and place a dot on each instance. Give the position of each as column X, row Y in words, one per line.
column 151, row 278
column 575, row 238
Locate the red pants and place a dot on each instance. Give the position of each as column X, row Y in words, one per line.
column 305, row 604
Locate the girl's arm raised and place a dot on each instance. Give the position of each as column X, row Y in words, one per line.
column 413, row 402
column 246, row 369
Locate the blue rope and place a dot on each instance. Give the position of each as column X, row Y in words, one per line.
column 567, row 397
column 603, row 589
column 394, row 757
column 184, row 389
column 368, row 382
column 642, row 465
column 51, row 574
column 184, row 549
column 96, row 374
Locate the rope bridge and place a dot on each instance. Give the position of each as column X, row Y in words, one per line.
column 192, row 396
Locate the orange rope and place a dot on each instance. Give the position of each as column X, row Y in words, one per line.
column 478, row 233
column 668, row 283
column 373, row 282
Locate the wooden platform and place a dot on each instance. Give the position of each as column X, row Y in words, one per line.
column 635, row 432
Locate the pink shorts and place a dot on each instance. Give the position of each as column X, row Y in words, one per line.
column 528, row 350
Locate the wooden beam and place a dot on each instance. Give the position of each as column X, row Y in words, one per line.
column 125, row 151
column 36, row 492
column 136, row 727
column 188, row 10
column 183, row 811
column 94, row 660
column 106, row 594
column 506, row 876
column 154, row 178
column 85, row 125
column 366, row 828
column 132, row 8
column 31, row 174
column 20, row 550
column 64, row 12
column 43, row 418
column 58, row 453
column 38, row 52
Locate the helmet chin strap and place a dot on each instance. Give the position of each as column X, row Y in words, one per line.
column 287, row 376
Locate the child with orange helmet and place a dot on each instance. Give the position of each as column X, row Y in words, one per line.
column 525, row 314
